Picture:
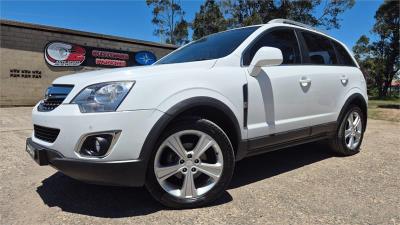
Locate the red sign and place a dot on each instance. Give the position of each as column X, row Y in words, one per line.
column 67, row 55
column 63, row 54
column 110, row 55
column 110, row 62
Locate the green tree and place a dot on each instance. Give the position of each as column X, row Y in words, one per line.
column 369, row 65
column 168, row 17
column 380, row 59
column 243, row 12
column 248, row 12
column 208, row 20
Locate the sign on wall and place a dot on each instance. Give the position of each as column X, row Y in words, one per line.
column 145, row 58
column 61, row 54
column 23, row 73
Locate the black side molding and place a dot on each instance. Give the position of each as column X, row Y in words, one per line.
column 286, row 139
column 279, row 138
column 245, row 104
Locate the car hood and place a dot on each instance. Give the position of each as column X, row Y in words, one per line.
column 133, row 73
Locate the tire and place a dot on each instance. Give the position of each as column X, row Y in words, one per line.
column 172, row 190
column 341, row 143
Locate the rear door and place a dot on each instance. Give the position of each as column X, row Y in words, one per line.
column 330, row 73
column 350, row 75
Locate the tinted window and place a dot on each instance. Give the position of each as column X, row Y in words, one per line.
column 211, row 47
column 320, row 49
column 343, row 56
column 284, row 39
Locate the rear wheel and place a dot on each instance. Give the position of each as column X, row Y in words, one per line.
column 350, row 133
column 192, row 164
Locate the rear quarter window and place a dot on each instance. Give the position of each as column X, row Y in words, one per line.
column 343, row 56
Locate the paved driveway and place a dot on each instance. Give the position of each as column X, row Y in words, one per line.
column 301, row 185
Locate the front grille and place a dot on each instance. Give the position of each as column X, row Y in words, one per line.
column 50, row 104
column 55, row 95
column 46, row 133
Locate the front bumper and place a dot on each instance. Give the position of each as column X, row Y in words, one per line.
column 73, row 125
column 118, row 173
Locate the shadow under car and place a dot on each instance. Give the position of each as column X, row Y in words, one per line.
column 74, row 196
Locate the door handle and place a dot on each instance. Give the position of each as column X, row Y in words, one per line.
column 304, row 81
column 344, row 79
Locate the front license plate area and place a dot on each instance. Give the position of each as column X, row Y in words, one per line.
column 38, row 154
column 31, row 150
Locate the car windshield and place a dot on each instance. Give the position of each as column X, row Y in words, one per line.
column 210, row 47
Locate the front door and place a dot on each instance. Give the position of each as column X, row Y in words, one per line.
column 280, row 96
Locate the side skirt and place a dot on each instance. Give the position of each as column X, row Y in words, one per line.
column 286, row 139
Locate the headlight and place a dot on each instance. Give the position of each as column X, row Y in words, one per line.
column 103, row 97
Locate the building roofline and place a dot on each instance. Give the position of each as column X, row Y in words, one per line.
column 83, row 33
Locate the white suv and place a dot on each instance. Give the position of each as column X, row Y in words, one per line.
column 178, row 126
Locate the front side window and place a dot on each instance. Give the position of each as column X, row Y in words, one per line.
column 210, row 47
column 320, row 49
column 343, row 56
column 284, row 39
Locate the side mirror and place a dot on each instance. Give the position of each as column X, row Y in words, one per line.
column 265, row 56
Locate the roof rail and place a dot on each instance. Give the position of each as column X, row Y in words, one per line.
column 291, row 22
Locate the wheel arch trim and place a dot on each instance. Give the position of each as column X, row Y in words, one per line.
column 172, row 112
column 354, row 97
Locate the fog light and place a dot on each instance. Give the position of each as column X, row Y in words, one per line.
column 96, row 145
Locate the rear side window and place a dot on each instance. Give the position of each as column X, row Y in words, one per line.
column 284, row 39
column 320, row 49
column 343, row 56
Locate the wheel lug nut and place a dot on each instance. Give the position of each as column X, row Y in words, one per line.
column 184, row 170
column 193, row 169
column 182, row 161
column 189, row 156
column 196, row 161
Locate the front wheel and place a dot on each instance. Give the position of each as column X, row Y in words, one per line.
column 192, row 164
column 350, row 133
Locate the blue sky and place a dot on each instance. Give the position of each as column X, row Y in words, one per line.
column 132, row 19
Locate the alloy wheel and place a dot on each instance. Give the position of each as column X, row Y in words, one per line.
column 188, row 164
column 353, row 130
